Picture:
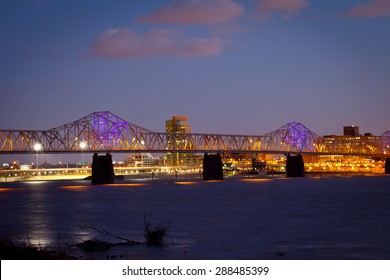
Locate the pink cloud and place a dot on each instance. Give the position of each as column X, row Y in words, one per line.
column 125, row 43
column 230, row 27
column 378, row 8
column 195, row 12
column 286, row 6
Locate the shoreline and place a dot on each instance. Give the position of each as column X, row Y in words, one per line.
column 195, row 177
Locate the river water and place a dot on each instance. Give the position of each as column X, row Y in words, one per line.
column 238, row 218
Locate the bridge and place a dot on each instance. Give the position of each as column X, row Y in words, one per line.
column 106, row 132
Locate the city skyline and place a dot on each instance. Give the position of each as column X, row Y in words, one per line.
column 234, row 67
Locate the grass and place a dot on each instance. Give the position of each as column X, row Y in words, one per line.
column 10, row 250
column 155, row 235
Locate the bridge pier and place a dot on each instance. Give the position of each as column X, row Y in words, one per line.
column 102, row 169
column 295, row 166
column 212, row 167
column 387, row 166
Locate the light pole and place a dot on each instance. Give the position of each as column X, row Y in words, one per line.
column 83, row 145
column 142, row 154
column 37, row 148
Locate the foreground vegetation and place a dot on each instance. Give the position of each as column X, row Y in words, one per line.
column 24, row 250
column 11, row 250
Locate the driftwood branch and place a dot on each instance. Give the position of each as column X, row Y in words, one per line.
column 96, row 244
column 128, row 241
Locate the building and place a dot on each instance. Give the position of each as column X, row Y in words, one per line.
column 140, row 160
column 353, row 145
column 351, row 142
column 176, row 126
column 352, row 130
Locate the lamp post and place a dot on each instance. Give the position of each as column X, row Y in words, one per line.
column 37, row 148
column 83, row 145
column 142, row 154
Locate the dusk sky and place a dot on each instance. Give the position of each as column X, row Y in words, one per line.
column 234, row 67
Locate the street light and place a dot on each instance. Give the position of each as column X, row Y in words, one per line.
column 142, row 154
column 37, row 148
column 83, row 146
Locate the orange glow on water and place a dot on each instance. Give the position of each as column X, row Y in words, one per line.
column 126, row 185
column 212, row 181
column 74, row 188
column 256, row 180
column 186, row 183
column 10, row 189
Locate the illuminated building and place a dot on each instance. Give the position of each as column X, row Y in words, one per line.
column 352, row 144
column 357, row 144
column 178, row 125
column 140, row 160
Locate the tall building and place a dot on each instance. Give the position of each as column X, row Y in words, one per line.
column 352, row 130
column 178, row 125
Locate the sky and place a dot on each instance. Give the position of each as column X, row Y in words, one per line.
column 232, row 66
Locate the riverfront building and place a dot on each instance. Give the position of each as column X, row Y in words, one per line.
column 178, row 125
column 352, row 144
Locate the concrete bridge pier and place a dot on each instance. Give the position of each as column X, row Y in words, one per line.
column 387, row 166
column 295, row 166
column 212, row 167
column 102, row 169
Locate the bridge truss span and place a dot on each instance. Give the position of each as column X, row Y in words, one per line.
column 106, row 132
column 196, row 142
column 99, row 131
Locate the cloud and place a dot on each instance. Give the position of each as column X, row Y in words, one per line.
column 288, row 7
column 229, row 28
column 124, row 43
column 195, row 12
column 377, row 8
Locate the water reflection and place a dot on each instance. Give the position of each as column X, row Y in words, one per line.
column 256, row 180
column 53, row 217
column 185, row 183
column 126, row 185
column 74, row 188
column 11, row 189
column 37, row 219
column 227, row 220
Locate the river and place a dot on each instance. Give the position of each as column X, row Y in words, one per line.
column 346, row 217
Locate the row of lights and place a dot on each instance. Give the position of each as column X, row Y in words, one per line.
column 38, row 146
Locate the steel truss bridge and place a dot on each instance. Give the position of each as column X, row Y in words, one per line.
column 106, row 132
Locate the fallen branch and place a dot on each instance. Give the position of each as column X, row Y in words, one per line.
column 93, row 245
column 101, row 245
column 128, row 241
